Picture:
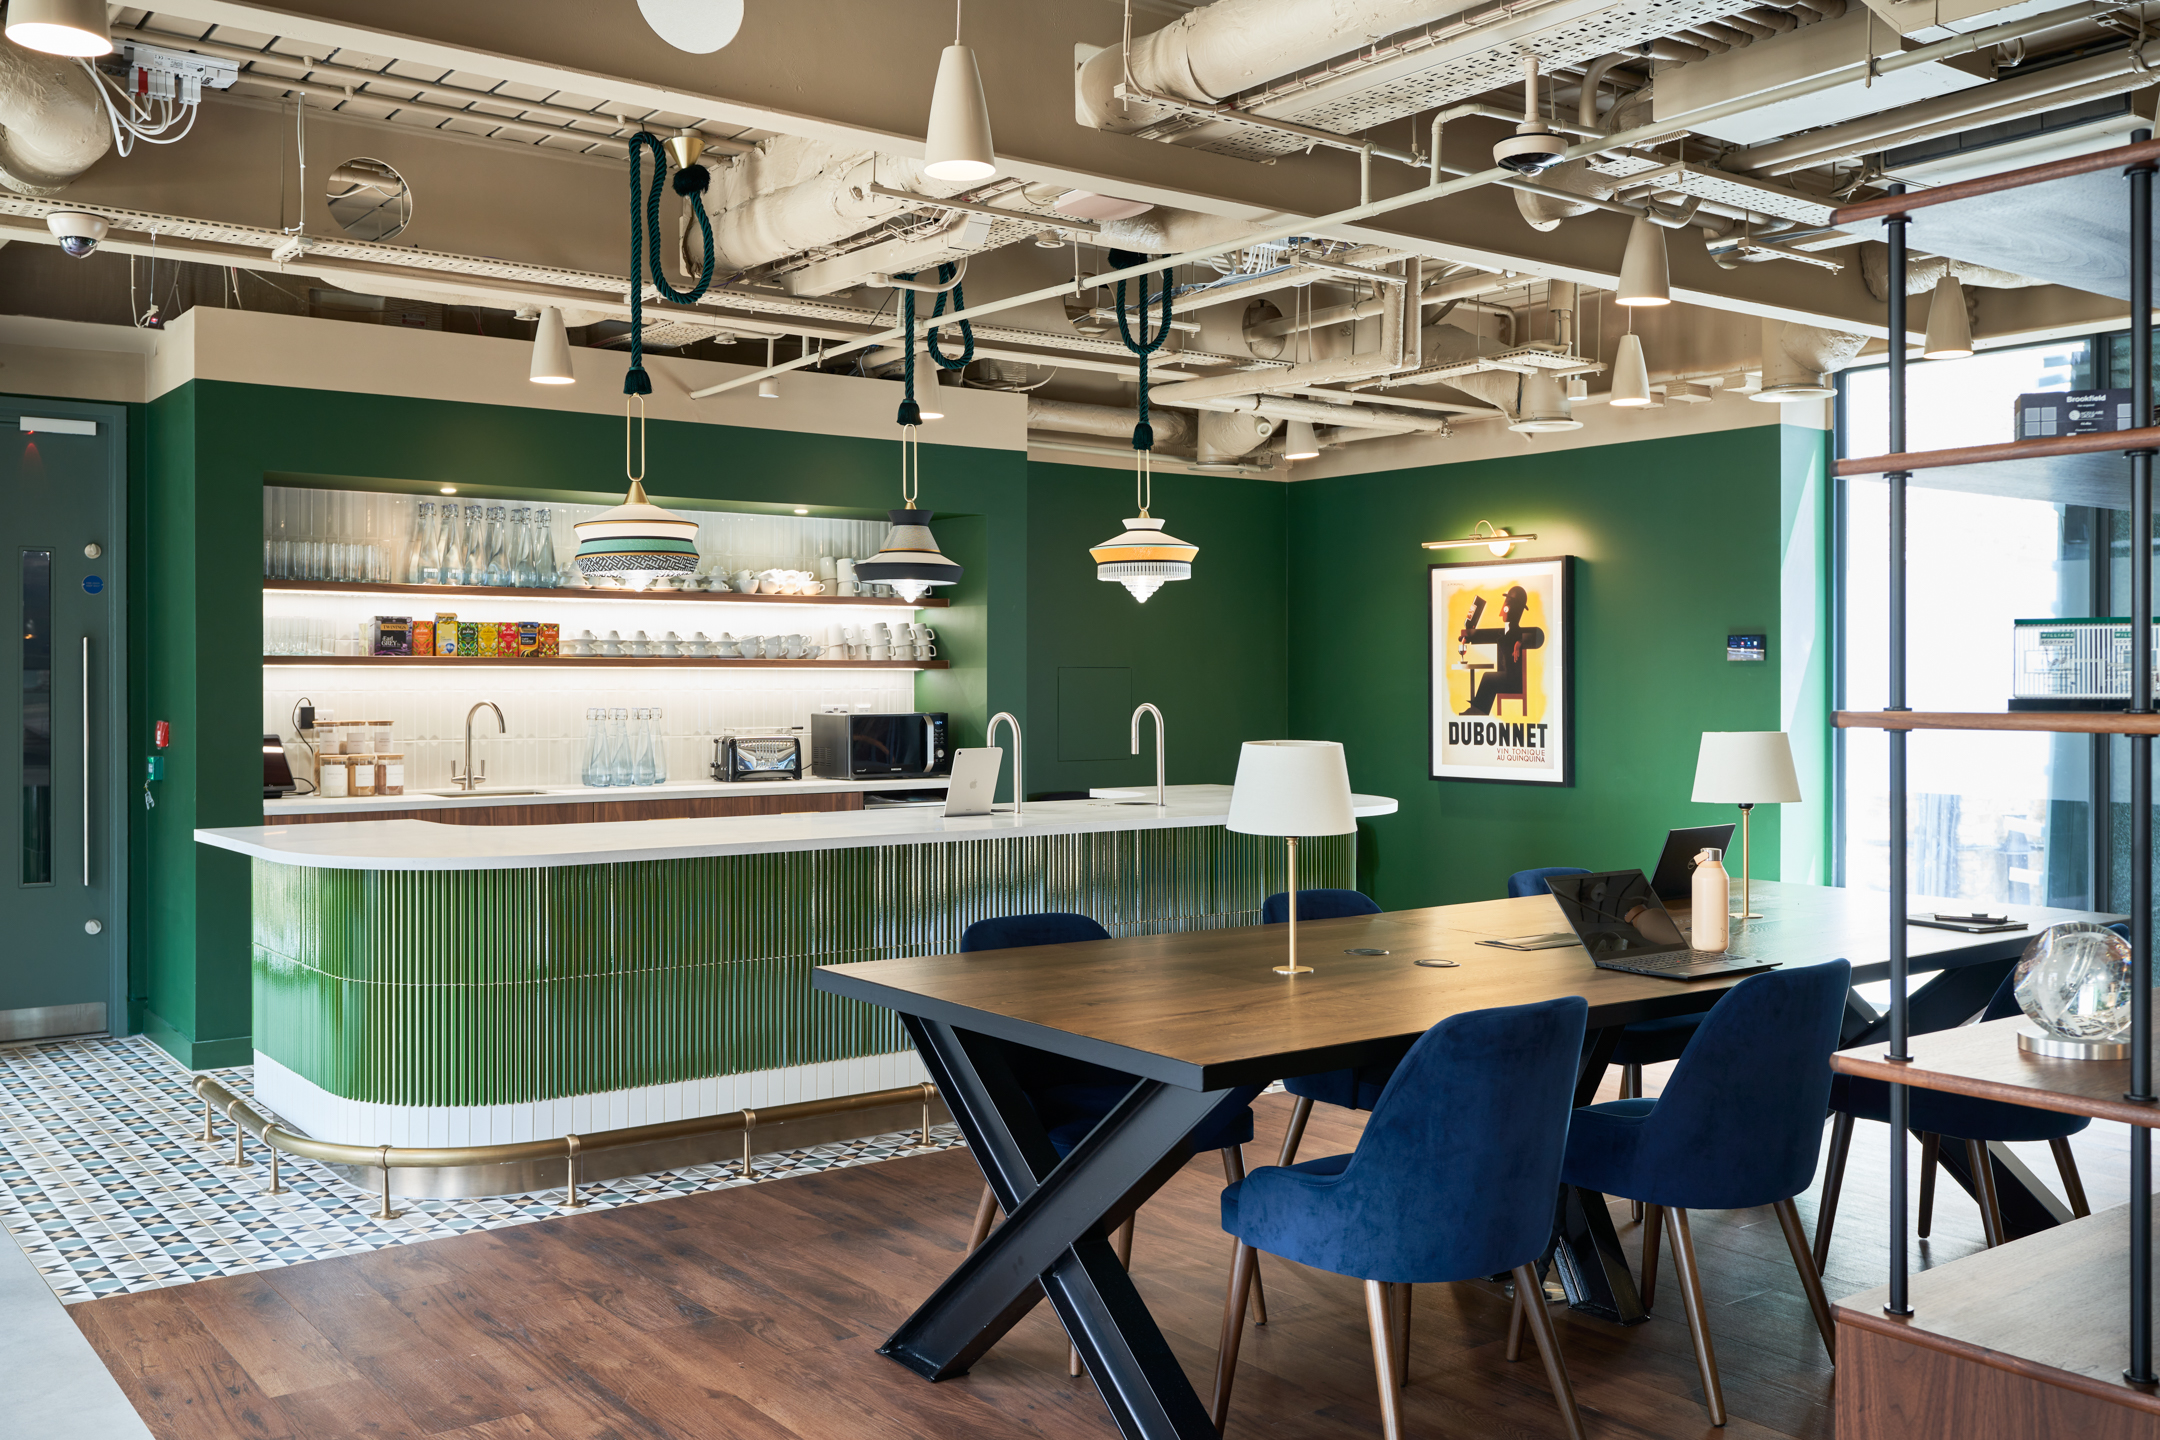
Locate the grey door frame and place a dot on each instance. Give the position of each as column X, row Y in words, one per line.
column 111, row 791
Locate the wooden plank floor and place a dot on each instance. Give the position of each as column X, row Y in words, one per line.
column 757, row 1313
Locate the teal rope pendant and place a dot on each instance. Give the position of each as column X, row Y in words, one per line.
column 1143, row 435
column 690, row 183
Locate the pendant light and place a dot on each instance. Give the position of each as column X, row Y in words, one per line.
column 1143, row 557
column 1544, row 407
column 551, row 351
column 60, row 27
column 1630, row 376
column 957, row 145
column 1299, row 442
column 1949, row 328
column 1645, row 277
column 637, row 542
column 910, row 560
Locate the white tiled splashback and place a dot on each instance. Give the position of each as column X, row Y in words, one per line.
column 545, row 710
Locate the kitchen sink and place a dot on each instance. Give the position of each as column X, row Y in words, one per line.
column 485, row 790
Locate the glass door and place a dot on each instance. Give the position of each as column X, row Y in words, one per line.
column 63, row 970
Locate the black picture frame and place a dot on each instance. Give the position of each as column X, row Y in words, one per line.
column 1453, row 756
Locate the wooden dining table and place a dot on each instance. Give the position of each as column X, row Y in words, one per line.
column 1198, row 1013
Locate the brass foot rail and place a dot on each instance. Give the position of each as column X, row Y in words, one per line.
column 568, row 1148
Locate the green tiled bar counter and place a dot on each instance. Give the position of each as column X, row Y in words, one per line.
column 423, row 984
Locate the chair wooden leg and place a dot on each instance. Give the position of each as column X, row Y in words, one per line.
column 2073, row 1183
column 1833, row 1182
column 1233, row 1169
column 1517, row 1318
column 986, row 1210
column 1242, row 1265
column 1380, row 1318
column 1983, row 1169
column 1630, row 1082
column 1548, row 1344
column 1930, row 1161
column 1653, row 1227
column 1299, row 1114
column 1121, row 1243
column 1402, row 1335
column 1683, row 1254
column 1788, row 1215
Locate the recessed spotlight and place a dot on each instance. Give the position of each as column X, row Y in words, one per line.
column 449, row 489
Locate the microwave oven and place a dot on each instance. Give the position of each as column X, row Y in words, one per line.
column 879, row 747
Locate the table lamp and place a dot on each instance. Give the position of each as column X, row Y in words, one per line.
column 1745, row 768
column 1291, row 788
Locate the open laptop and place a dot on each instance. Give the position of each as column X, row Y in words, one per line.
column 1622, row 923
column 974, row 781
column 1676, row 863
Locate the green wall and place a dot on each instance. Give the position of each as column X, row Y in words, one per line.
column 1678, row 543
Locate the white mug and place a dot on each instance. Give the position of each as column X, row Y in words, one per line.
column 849, row 587
column 879, row 652
column 827, row 568
column 926, row 651
column 752, row 647
column 924, row 632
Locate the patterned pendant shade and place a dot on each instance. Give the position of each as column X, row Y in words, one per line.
column 909, row 560
column 637, row 542
column 1143, row 557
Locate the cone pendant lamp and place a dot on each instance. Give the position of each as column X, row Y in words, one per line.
column 1630, row 376
column 1949, row 328
column 956, row 146
column 1645, row 275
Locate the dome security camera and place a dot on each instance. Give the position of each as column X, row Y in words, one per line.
column 1530, row 151
column 79, row 230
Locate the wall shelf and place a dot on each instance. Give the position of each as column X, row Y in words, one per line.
column 599, row 662
column 2062, row 722
column 573, row 592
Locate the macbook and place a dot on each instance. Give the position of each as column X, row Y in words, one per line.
column 1676, row 864
column 1622, row 923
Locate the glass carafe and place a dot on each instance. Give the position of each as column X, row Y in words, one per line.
column 546, row 572
column 443, row 550
column 641, row 757
column 620, row 766
column 472, row 548
column 497, row 564
column 518, row 542
column 659, row 747
column 594, row 771
column 413, row 568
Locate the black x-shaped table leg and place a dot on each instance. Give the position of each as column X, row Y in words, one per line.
column 1593, row 1268
column 1055, row 1239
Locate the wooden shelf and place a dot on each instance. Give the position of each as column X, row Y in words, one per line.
column 2050, row 447
column 1984, row 1061
column 601, row 662
column 2061, row 722
column 573, row 592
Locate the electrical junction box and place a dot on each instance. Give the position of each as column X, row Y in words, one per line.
column 2072, row 412
column 155, row 73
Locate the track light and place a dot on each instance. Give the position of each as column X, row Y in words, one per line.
column 60, row 27
column 1630, row 376
column 1949, row 332
column 551, row 351
column 1299, row 442
column 957, row 144
column 1645, row 278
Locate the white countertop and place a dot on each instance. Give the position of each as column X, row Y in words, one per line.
column 582, row 794
column 425, row 845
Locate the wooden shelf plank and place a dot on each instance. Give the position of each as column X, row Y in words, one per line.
column 1984, row 1061
column 2061, row 722
column 572, row 592
column 1882, row 206
column 619, row 662
column 2054, row 445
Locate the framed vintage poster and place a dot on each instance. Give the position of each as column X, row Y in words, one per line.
column 1503, row 700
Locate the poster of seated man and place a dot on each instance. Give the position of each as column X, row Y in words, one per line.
column 1500, row 672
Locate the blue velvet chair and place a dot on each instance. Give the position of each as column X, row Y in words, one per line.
column 1453, row 1179
column 1524, row 884
column 1072, row 1096
column 1939, row 1115
column 1739, row 1125
column 1353, row 1089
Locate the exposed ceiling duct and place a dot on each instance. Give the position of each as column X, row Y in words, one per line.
column 1923, row 271
column 52, row 121
column 1798, row 360
column 1072, row 418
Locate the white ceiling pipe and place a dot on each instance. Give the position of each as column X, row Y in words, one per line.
column 1074, row 418
column 1962, row 44
column 1316, row 412
column 1854, row 136
column 2017, row 110
column 52, row 123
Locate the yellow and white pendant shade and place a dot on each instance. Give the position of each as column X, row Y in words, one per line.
column 909, row 560
column 636, row 543
column 1144, row 557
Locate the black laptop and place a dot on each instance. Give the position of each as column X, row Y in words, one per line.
column 1624, row 926
column 1675, row 871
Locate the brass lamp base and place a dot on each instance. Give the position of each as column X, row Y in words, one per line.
column 1293, row 969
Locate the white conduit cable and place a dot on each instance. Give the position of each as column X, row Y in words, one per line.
column 138, row 124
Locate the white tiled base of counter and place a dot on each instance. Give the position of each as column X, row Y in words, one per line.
column 308, row 1107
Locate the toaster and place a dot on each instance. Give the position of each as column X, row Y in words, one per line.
column 757, row 757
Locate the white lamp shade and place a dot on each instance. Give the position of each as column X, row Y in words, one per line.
column 551, row 351
column 60, row 27
column 1949, row 332
column 1630, row 376
column 1291, row 787
column 1299, row 442
column 1645, row 278
column 1745, row 767
column 957, row 146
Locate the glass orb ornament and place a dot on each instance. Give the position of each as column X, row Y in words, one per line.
column 2073, row 983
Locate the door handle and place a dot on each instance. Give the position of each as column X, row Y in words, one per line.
column 86, row 762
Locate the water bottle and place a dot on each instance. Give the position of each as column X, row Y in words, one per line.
column 413, row 568
column 546, row 572
column 641, row 756
column 442, row 556
column 594, row 769
column 517, row 546
column 472, row 548
column 497, row 564
column 1710, row 895
column 659, row 748
column 620, row 765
